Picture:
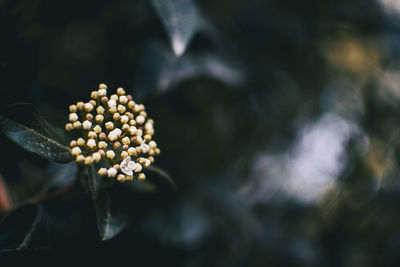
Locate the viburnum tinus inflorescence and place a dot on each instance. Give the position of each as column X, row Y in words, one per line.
column 113, row 131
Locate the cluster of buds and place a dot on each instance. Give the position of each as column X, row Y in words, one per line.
column 115, row 131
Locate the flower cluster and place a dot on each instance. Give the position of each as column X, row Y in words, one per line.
column 115, row 131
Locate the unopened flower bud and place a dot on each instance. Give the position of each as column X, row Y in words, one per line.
column 117, row 131
column 100, row 110
column 89, row 116
column 73, row 143
column 112, row 110
column 102, row 136
column 141, row 177
column 125, row 127
column 116, row 116
column 97, row 129
column 102, row 86
column 124, row 119
column 152, row 144
column 76, row 151
column 111, row 172
column 96, row 157
column 77, row 125
column 124, row 154
column 132, row 130
column 116, row 145
column 139, row 132
column 151, row 159
column 86, row 125
column 99, row 118
column 140, row 119
column 72, row 108
column 80, row 105
column 91, row 143
column 102, row 172
column 102, row 145
column 157, row 150
column 147, row 137
column 110, row 154
column 132, row 122
column 131, row 104
column 121, row 109
column 114, row 97
column 92, row 134
column 132, row 151
column 120, row 91
column 88, row 107
column 121, row 178
column 109, row 125
column 69, row 126
column 123, row 99
column 80, row 158
column 117, row 167
column 111, row 103
column 104, row 99
column 80, row 141
column 112, row 136
column 88, row 160
column 125, row 147
column 73, row 117
column 94, row 94
column 102, row 92
column 148, row 126
column 126, row 140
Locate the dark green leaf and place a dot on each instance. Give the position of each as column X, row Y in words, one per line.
column 109, row 221
column 180, row 19
column 160, row 70
column 160, row 173
column 94, row 181
column 19, row 230
column 23, row 124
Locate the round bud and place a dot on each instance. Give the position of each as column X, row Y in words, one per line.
column 147, row 137
column 121, row 109
column 112, row 136
column 94, row 94
column 80, row 141
column 76, row 151
column 120, row 91
column 126, row 140
column 157, row 150
column 102, row 145
column 104, row 99
column 80, row 158
column 102, row 172
column 140, row 119
column 131, row 104
column 80, row 105
column 86, row 125
column 152, row 144
column 91, row 143
column 99, row 118
column 100, row 110
column 72, row 108
column 117, row 167
column 124, row 119
column 132, row 122
column 116, row 145
column 124, row 154
column 88, row 160
column 69, row 126
column 114, row 97
column 109, row 125
column 141, row 177
column 125, row 147
column 97, row 129
column 89, row 116
column 73, row 143
column 112, row 110
column 88, row 107
column 73, row 117
column 121, row 178
column 102, row 86
column 77, row 125
column 132, row 151
column 102, row 136
column 125, row 127
column 151, row 159
column 96, row 157
column 139, row 132
column 111, row 172
column 111, row 103
column 92, row 134
column 102, row 92
column 116, row 116
column 123, row 99
column 110, row 154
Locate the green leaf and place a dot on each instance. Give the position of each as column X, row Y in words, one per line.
column 109, row 221
column 23, row 124
column 94, row 181
column 158, row 172
column 181, row 20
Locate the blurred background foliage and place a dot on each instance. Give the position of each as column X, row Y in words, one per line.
column 278, row 120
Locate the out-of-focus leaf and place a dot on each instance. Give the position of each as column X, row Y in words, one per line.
column 60, row 175
column 23, row 124
column 181, row 20
column 141, row 186
column 160, row 70
column 109, row 221
column 19, row 229
column 94, row 181
column 160, row 173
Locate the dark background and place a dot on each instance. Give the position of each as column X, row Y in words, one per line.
column 279, row 124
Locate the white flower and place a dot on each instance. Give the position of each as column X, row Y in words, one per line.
column 127, row 166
